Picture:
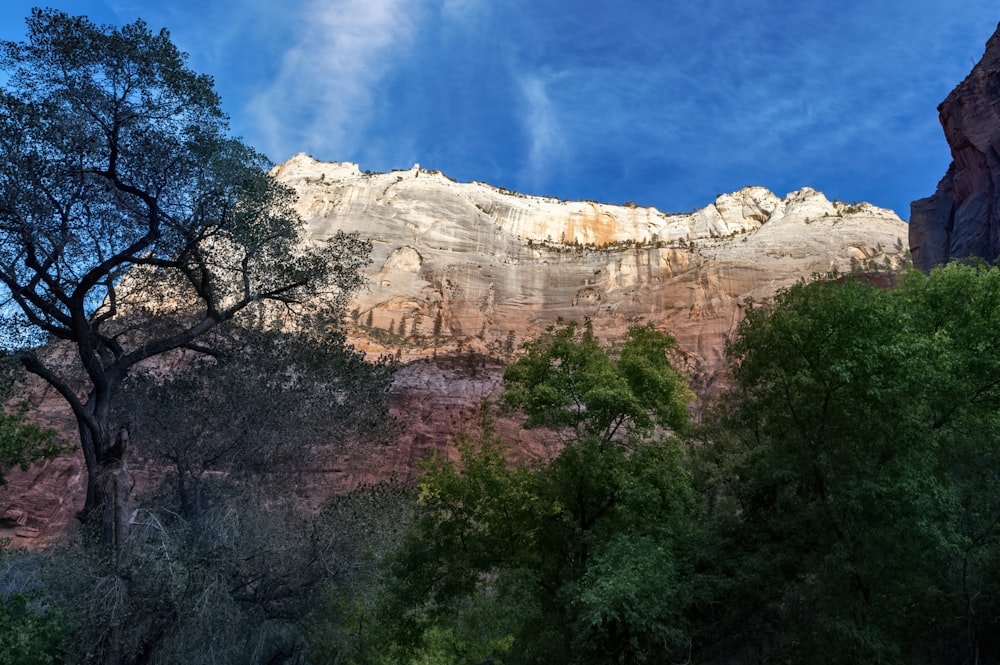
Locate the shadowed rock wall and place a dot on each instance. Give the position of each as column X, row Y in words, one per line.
column 962, row 218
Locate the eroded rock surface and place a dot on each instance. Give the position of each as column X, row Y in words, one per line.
column 474, row 267
column 962, row 218
column 464, row 273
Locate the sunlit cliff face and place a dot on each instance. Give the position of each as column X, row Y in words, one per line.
column 474, row 266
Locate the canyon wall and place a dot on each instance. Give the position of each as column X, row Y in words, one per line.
column 962, row 218
column 474, row 267
column 463, row 273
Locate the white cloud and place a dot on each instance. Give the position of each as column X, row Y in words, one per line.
column 541, row 121
column 322, row 94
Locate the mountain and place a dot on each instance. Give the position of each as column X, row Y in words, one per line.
column 962, row 218
column 486, row 268
column 462, row 273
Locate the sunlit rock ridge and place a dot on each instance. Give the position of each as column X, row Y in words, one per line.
column 479, row 267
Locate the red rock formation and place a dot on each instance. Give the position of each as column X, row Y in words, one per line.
column 470, row 271
column 962, row 218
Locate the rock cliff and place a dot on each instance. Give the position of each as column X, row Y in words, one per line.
column 469, row 266
column 962, row 218
column 462, row 273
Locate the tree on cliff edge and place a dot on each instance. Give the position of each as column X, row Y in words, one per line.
column 132, row 224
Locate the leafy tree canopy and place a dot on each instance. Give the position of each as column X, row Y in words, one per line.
column 566, row 379
column 131, row 223
column 857, row 448
column 576, row 560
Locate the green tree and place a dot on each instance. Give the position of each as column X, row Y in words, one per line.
column 31, row 632
column 355, row 532
column 21, row 441
column 581, row 560
column 131, row 223
column 578, row 560
column 956, row 310
column 854, row 495
column 270, row 405
column 34, row 629
column 566, row 379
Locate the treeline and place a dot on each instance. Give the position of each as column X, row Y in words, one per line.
column 837, row 503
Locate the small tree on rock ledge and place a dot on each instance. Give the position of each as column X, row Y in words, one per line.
column 131, row 224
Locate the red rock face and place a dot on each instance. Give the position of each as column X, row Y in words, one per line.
column 462, row 274
column 962, row 218
column 435, row 399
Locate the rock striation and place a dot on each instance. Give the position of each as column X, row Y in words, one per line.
column 962, row 218
column 473, row 267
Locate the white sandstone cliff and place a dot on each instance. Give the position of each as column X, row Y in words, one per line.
column 484, row 266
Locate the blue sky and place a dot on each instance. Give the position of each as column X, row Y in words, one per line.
column 660, row 102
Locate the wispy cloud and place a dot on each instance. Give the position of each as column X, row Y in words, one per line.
column 541, row 121
column 661, row 103
column 323, row 89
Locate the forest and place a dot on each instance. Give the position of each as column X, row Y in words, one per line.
column 837, row 501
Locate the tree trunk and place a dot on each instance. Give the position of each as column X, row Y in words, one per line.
column 106, row 510
column 114, row 487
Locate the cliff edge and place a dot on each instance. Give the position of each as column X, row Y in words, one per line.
column 473, row 267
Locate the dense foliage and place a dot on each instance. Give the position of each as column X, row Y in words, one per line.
column 579, row 559
column 268, row 405
column 33, row 629
column 22, row 442
column 565, row 379
column 852, row 472
column 582, row 558
column 837, row 504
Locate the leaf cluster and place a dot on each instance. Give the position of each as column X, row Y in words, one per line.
column 566, row 379
column 578, row 559
column 21, row 442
